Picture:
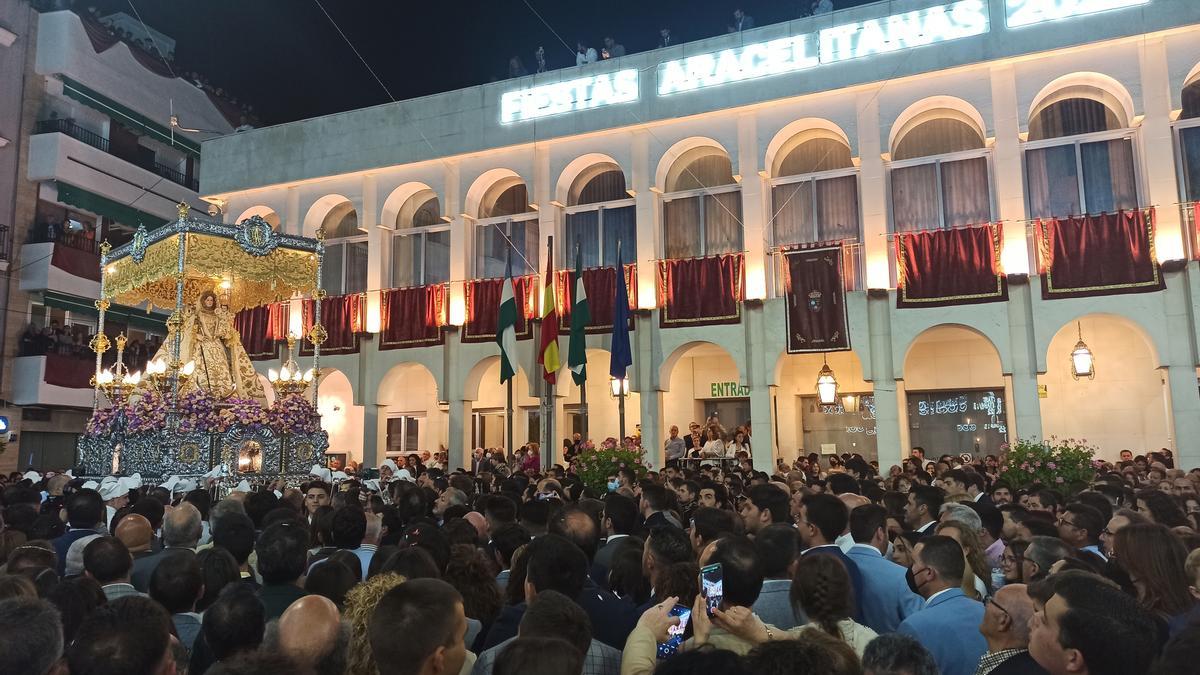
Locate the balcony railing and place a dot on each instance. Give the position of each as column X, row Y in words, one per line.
column 68, row 127
column 79, row 241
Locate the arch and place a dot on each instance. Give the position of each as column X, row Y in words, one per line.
column 580, row 166
column 317, row 213
column 797, row 133
column 265, row 212
column 397, row 200
column 953, row 332
column 1124, row 405
column 677, row 151
column 928, row 108
column 1088, row 85
column 485, row 185
column 1128, row 320
column 402, row 376
column 1190, row 95
column 690, row 349
column 340, row 417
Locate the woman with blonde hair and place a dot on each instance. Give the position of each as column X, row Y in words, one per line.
column 360, row 605
column 976, row 583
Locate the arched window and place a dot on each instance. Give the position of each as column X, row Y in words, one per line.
column 344, row 267
column 1189, row 140
column 939, row 173
column 814, row 190
column 507, row 223
column 600, row 216
column 421, row 245
column 1079, row 157
column 702, row 207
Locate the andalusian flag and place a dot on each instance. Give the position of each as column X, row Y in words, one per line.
column 581, row 316
column 506, row 326
column 548, row 353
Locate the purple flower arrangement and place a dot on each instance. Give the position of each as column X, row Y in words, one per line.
column 246, row 412
column 198, row 413
column 102, row 422
column 594, row 466
column 146, row 412
column 294, row 414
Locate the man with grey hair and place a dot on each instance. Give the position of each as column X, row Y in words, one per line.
column 897, row 654
column 961, row 513
column 181, row 529
column 33, row 638
column 449, row 497
column 1042, row 553
column 1005, row 626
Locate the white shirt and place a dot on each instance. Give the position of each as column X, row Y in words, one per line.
column 845, row 542
column 585, row 57
column 930, row 598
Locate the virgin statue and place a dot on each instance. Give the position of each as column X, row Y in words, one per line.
column 209, row 339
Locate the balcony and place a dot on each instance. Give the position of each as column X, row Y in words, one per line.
column 95, row 140
column 52, row 379
column 70, row 264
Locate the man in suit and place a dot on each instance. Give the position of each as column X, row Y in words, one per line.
column 108, row 562
column 777, row 547
column 1090, row 627
column 887, row 599
column 620, row 515
column 823, row 518
column 921, row 512
column 613, row 617
column 181, row 529
column 937, row 572
column 85, row 517
column 665, row 546
column 1005, row 626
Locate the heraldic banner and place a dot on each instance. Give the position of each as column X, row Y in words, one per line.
column 816, row 300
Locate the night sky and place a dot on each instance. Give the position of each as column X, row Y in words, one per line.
column 287, row 59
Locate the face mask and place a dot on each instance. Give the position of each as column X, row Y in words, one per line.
column 912, row 582
column 613, row 485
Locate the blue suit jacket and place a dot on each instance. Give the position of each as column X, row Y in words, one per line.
column 856, row 579
column 949, row 628
column 886, row 598
column 774, row 604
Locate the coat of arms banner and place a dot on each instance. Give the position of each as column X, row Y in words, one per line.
column 816, row 300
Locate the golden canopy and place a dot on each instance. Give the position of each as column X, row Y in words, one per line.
column 249, row 264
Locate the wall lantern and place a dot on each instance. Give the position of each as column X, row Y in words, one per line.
column 827, row 386
column 1083, row 364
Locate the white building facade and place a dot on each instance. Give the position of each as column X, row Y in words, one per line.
column 849, row 127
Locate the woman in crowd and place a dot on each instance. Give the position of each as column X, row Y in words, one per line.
column 1154, row 559
column 976, row 583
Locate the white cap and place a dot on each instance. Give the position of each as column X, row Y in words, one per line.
column 403, row 474
column 339, row 475
column 185, row 485
column 217, row 471
column 69, row 472
column 243, row 486
column 132, row 482
column 112, row 487
column 170, row 484
column 74, row 562
column 372, row 484
column 90, row 485
column 322, row 473
column 389, row 463
column 32, row 476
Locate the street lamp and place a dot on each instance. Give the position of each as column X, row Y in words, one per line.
column 827, row 386
column 1083, row 363
column 620, row 389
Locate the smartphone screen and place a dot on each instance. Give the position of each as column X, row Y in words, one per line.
column 712, row 586
column 675, row 633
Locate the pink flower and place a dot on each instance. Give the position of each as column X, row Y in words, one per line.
column 1052, row 465
column 1059, row 479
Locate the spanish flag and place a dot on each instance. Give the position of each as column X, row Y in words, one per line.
column 548, row 353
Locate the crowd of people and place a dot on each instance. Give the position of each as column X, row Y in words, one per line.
column 75, row 340
column 586, row 52
column 827, row 567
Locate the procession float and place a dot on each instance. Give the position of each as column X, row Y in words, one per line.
column 199, row 409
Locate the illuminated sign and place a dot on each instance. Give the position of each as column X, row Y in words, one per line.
column 903, row 31
column 1029, row 12
column 583, row 93
column 761, row 59
column 839, row 43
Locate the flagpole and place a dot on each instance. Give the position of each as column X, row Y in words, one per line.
column 547, row 452
column 508, row 421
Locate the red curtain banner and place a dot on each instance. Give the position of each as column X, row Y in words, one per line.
column 258, row 334
column 816, row 300
column 75, row 261
column 69, row 371
column 959, row 266
column 701, row 291
column 483, row 307
column 412, row 317
column 1099, row 255
column 600, row 283
column 344, row 319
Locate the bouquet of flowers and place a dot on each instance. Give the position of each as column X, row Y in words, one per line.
column 1062, row 465
column 198, row 412
column 146, row 412
column 246, row 412
column 294, row 414
column 594, row 465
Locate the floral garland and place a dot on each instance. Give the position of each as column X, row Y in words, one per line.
column 294, row 414
column 145, row 412
column 1065, row 465
column 594, row 465
column 102, row 422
